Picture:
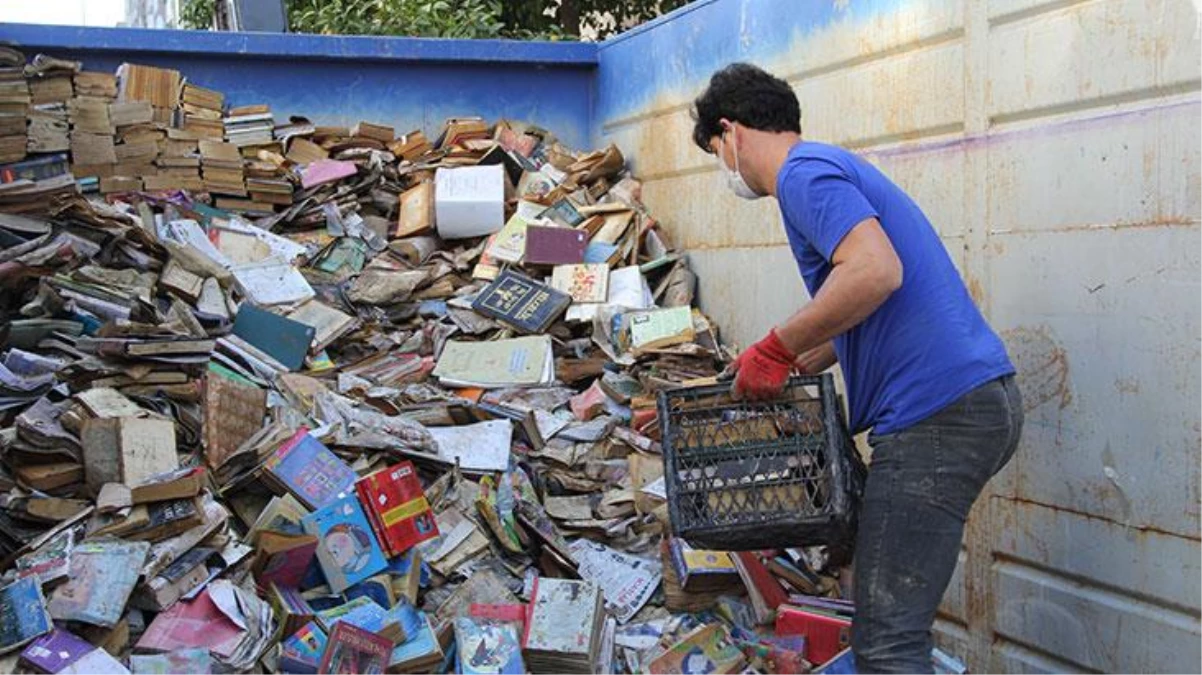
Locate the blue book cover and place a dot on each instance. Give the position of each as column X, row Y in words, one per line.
column 346, row 547
column 301, row 652
column 362, row 612
column 599, row 252
column 487, row 646
column 843, row 663
column 310, row 471
column 378, row 589
column 23, row 615
column 399, row 567
column 521, row 302
column 420, row 642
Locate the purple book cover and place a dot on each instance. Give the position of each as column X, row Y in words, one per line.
column 555, row 245
column 55, row 650
column 311, row 471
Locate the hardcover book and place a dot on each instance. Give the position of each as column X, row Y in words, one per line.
column 555, row 245
column 346, row 548
column 397, row 508
column 301, row 652
column 353, row 650
column 23, row 614
column 310, row 471
column 103, row 574
column 521, row 302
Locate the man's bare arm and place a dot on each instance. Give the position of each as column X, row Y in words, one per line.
column 865, row 271
column 817, row 359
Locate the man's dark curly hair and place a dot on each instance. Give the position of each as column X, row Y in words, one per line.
column 748, row 95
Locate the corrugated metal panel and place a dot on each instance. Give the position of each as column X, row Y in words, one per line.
column 1055, row 145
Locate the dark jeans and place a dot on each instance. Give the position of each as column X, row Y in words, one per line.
column 921, row 484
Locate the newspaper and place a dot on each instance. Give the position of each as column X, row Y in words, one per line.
column 627, row 582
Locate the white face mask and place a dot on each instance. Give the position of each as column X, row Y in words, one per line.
column 733, row 177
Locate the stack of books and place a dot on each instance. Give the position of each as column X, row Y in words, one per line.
column 267, row 185
column 563, row 634
column 221, row 166
column 14, row 104
column 160, row 87
column 249, row 125
column 200, row 112
column 136, row 145
column 91, row 135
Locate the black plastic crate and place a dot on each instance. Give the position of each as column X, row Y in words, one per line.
column 743, row 475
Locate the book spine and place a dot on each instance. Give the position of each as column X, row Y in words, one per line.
column 365, row 490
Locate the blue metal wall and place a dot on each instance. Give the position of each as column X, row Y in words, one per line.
column 673, row 56
column 407, row 82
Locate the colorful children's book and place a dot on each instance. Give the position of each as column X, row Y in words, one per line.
column 282, row 558
column 488, row 646
column 103, row 574
column 351, row 649
column 301, row 652
column 346, row 548
column 699, row 569
column 23, row 614
column 195, row 660
column 310, row 471
column 362, row 612
column 826, row 635
column 291, row 608
column 377, row 588
column 708, row 649
column 397, row 508
column 421, row 648
column 406, row 573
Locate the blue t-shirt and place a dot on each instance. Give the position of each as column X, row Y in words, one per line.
column 928, row 344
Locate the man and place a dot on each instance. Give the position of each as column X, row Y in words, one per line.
column 923, row 370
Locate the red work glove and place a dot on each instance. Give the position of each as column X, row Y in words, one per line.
column 762, row 370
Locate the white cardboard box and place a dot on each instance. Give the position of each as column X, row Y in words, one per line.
column 469, row 201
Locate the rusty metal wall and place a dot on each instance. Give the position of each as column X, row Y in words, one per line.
column 1055, row 145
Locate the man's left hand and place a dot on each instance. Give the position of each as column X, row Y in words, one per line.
column 762, row 371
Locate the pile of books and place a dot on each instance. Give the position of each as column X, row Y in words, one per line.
column 14, row 109
column 249, row 125
column 200, row 112
column 221, row 166
column 564, row 630
column 413, row 406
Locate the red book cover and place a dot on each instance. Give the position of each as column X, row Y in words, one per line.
column 351, row 649
column 397, row 508
column 825, row 636
column 774, row 596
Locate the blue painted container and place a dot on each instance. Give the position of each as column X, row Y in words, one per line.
column 410, row 83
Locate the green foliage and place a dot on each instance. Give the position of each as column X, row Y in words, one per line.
column 517, row 19
column 604, row 17
column 418, row 18
column 196, row 14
